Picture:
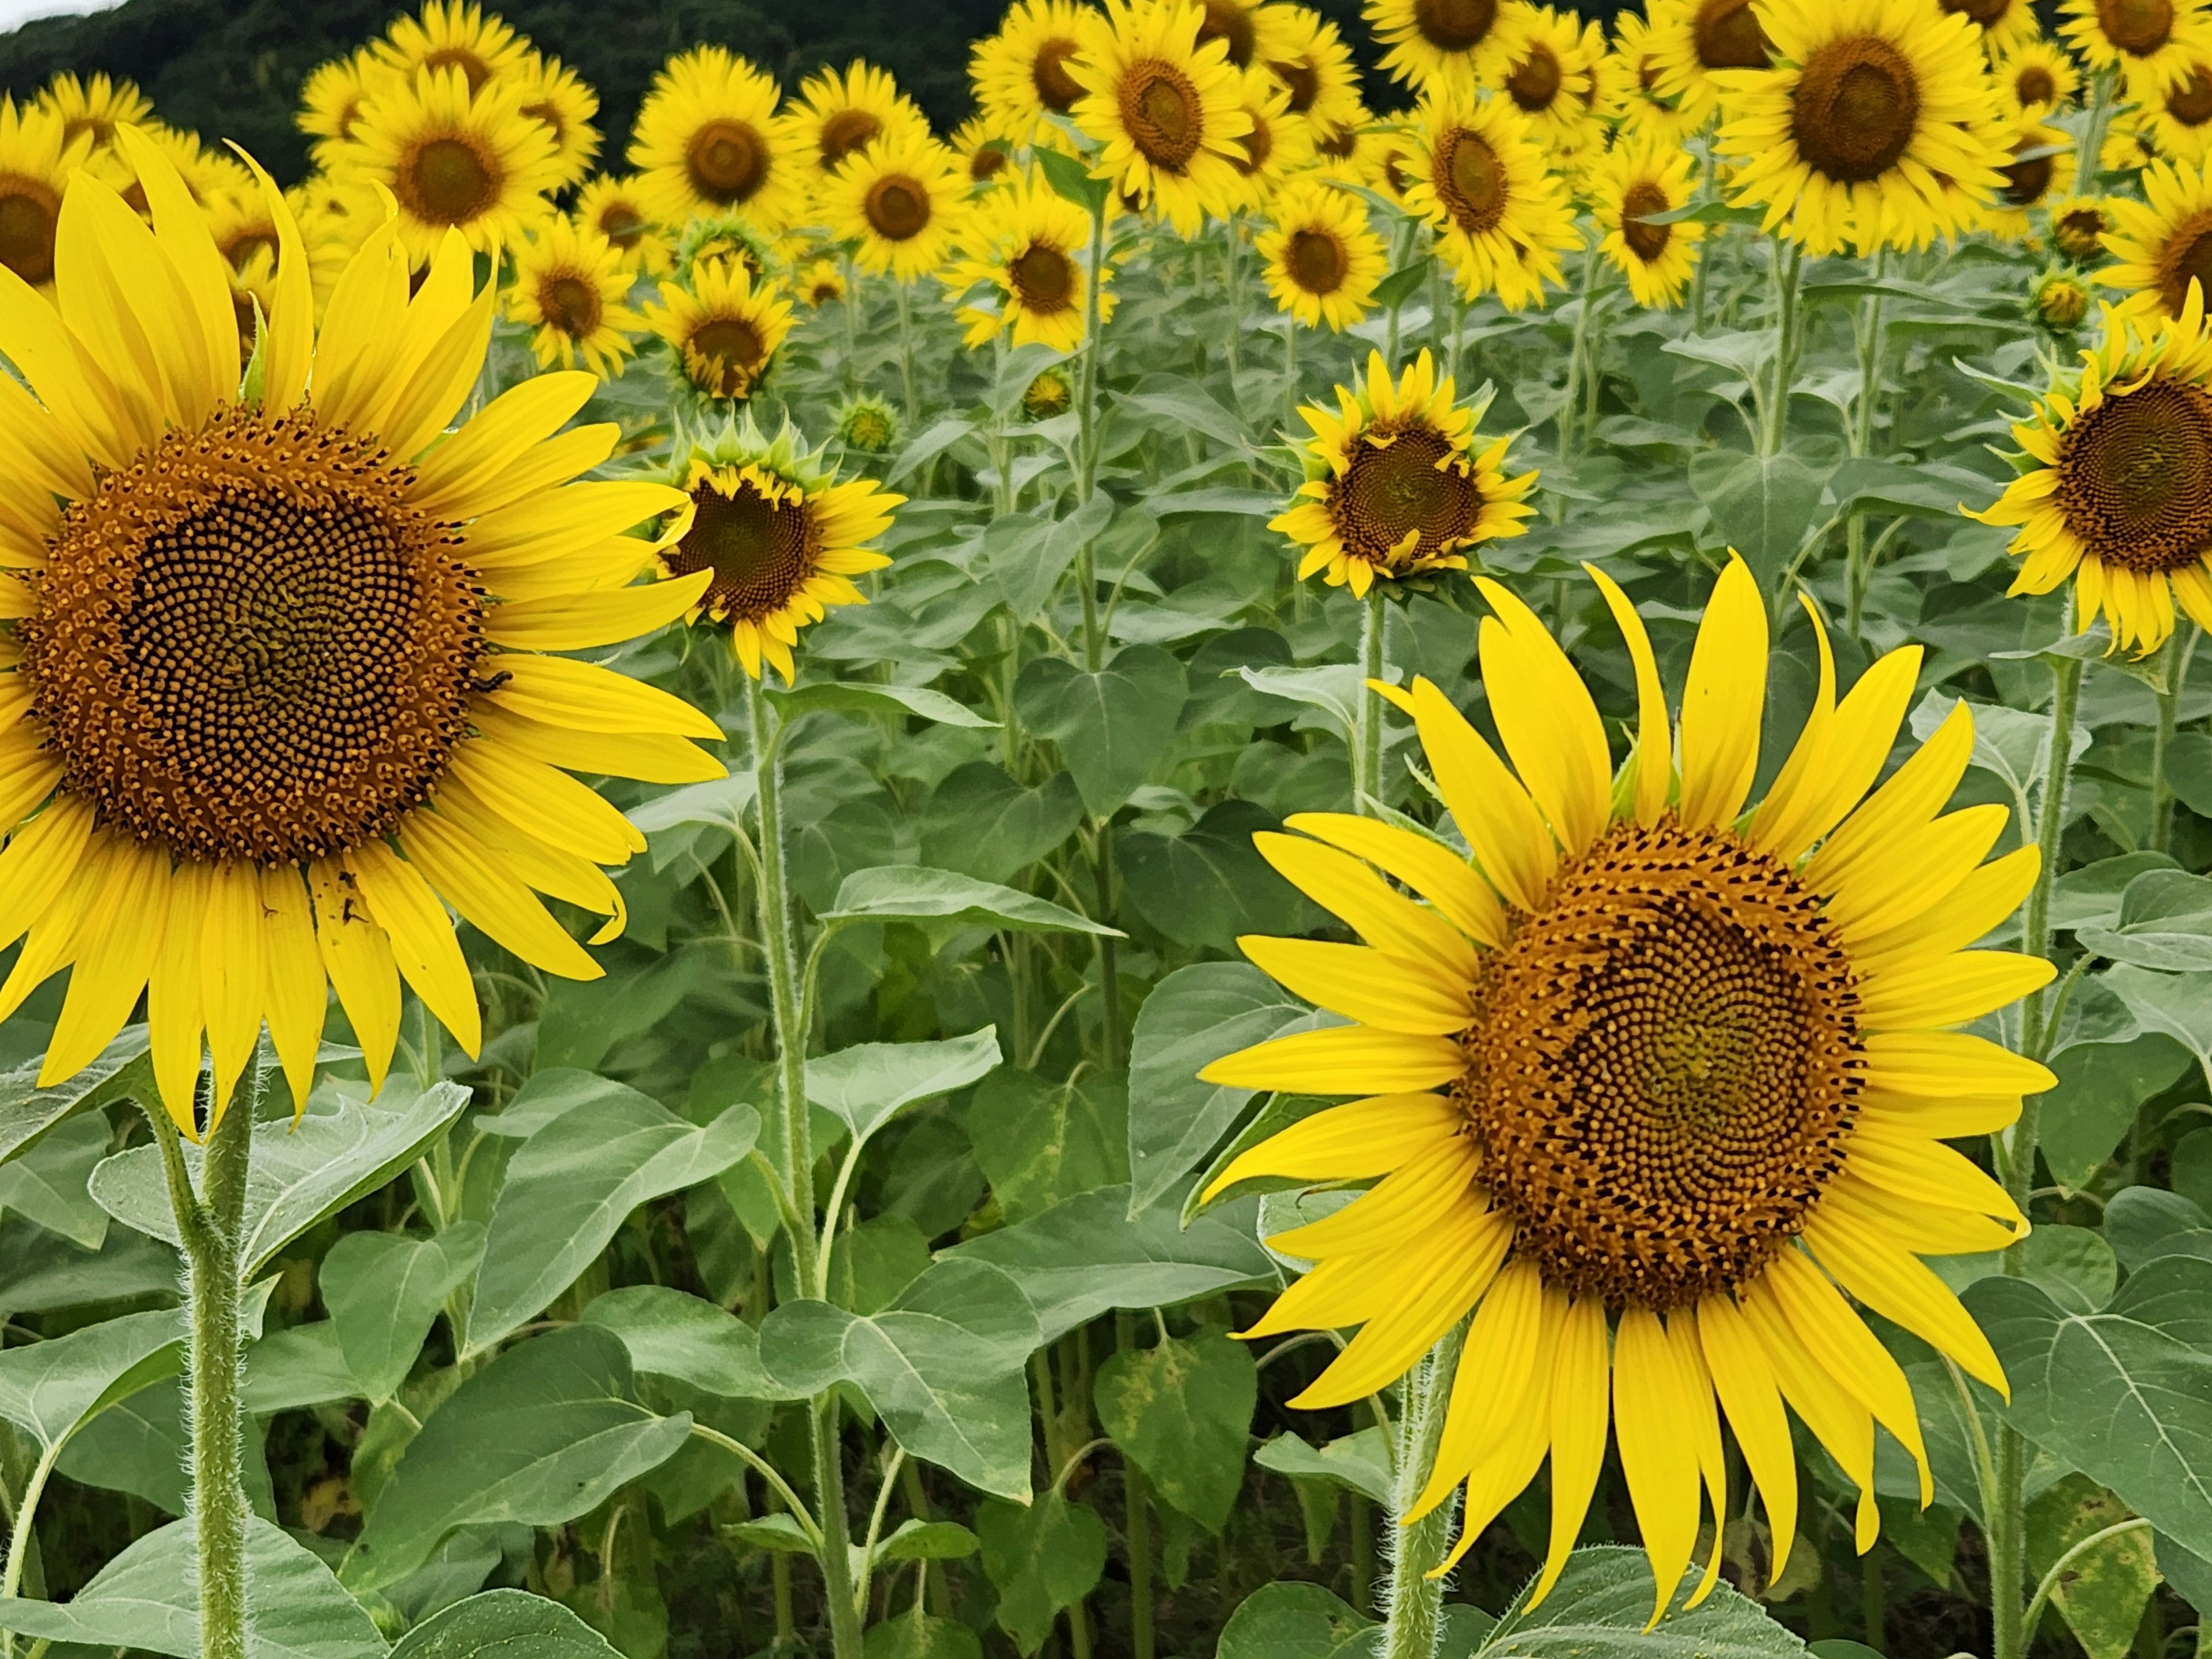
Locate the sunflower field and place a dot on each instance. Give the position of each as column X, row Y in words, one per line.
column 1255, row 866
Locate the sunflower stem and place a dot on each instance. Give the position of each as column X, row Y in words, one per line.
column 1569, row 408
column 1367, row 741
column 1413, row 1603
column 906, row 353
column 1136, row 1499
column 2090, row 167
column 1870, row 341
column 1708, row 191
column 1774, row 423
column 2179, row 650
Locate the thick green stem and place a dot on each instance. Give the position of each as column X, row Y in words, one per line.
column 906, row 355
column 1367, row 740
column 1708, row 191
column 1136, row 1497
column 1774, row 423
column 1870, row 342
column 2175, row 664
column 844, row 1606
column 1412, row 1604
column 19, row 1540
column 1570, row 409
column 2092, row 169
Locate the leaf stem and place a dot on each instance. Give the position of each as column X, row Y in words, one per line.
column 1367, row 740
column 2049, row 1585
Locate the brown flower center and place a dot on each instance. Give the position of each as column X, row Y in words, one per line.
column 1338, row 143
column 248, row 646
column 1856, row 108
column 2139, row 28
column 2134, row 477
column 29, row 213
column 1455, row 25
column 760, row 551
column 547, row 114
column 2033, row 86
column 1056, row 87
column 1044, row 279
column 727, row 162
column 2185, row 257
column 725, row 357
column 239, row 249
column 1987, row 13
column 1317, row 262
column 1162, row 112
column 1254, row 147
column 2079, row 232
column 1665, row 1068
column 846, row 130
column 448, row 180
column 1229, row 21
column 473, row 69
column 1412, row 484
column 1646, row 242
column 1728, row 36
column 2190, row 103
column 2027, row 182
column 1534, row 82
column 1303, row 79
column 570, row 303
column 1469, row 179
column 987, row 161
column 898, row 207
column 620, row 223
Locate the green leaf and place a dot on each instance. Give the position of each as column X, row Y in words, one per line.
column 1403, row 284
column 1602, row 1603
column 503, row 1623
column 147, row 1598
column 1027, row 553
column 27, row 1111
column 980, row 823
column 2172, row 1003
column 1039, row 1142
column 1114, row 727
column 383, row 1290
column 1208, row 884
column 1043, row 1558
column 548, row 1431
column 777, row 1534
column 1924, row 489
column 2165, row 922
column 41, row 1271
column 865, row 1084
column 860, row 697
column 52, row 1389
column 1071, row 179
column 2123, row 1394
column 298, row 1367
column 1762, row 505
column 1359, row 1462
column 1192, row 1018
column 1086, row 1256
column 928, row 1540
column 2100, row 1087
column 2144, row 1223
column 670, row 1333
column 2103, row 1592
column 1183, row 1412
column 917, row 1636
column 912, row 892
column 342, row 1147
column 1296, row 1620
column 571, row 1185
column 942, row 1365
column 1335, row 688
column 2090, row 896
column 48, row 1183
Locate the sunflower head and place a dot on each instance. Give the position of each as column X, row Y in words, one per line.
column 2161, row 247
column 1021, row 73
column 2040, row 172
column 616, row 209
column 452, row 160
column 331, row 101
column 724, row 329
column 724, row 238
column 898, row 202
column 1321, row 256
column 571, row 287
column 37, row 156
column 706, row 140
column 2155, row 35
column 775, row 536
column 1473, row 168
column 867, row 423
column 1631, row 185
column 2035, row 78
column 1027, row 246
column 1311, row 60
column 840, row 112
column 1047, row 394
column 1428, row 39
column 1538, row 61
column 2060, row 300
column 555, row 96
column 1166, row 111
column 1395, row 482
column 94, row 107
column 1691, row 42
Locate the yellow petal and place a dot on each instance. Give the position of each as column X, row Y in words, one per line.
column 1496, row 1368
column 1920, row 868
column 1913, row 795
column 1429, row 867
column 1546, row 720
column 1342, row 1060
column 40, row 860
column 1856, row 743
column 562, row 691
column 1837, row 1418
column 1350, row 1142
column 295, row 992
column 648, row 756
column 1951, row 990
column 175, row 1015
column 1655, row 760
column 1390, row 922
column 1363, row 984
column 1495, row 818
column 1581, row 1371
column 1653, row 1406
column 1986, row 898
column 1940, row 1064
column 471, row 880
column 231, row 974
column 1723, row 700
column 423, row 947
column 1398, row 1210
column 120, row 930
column 581, row 621
column 1840, row 1343
column 546, row 802
column 1746, row 1385
column 357, row 956
column 1899, row 1287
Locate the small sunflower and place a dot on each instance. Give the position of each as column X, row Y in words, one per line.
column 1873, row 128
column 1032, row 248
column 2129, row 145
column 1250, row 31
column 866, row 423
column 616, row 209
column 2161, row 247
column 821, row 283
column 37, row 157
column 1635, row 178
column 1535, row 58
column 1047, row 394
column 335, row 218
column 331, row 102
column 723, row 329
column 95, row 105
column 706, row 141
column 1691, row 41
column 987, row 151
column 1643, row 108
column 1021, row 73
column 285, row 657
column 208, row 174
column 1475, row 173
column 1276, row 145
column 245, row 228
column 2036, row 78
column 777, row 539
column 2175, row 112
column 2078, row 228
column 2041, row 173
column 716, row 238
column 2159, row 37
column 1165, row 110
column 1427, row 40
column 1321, row 256
column 897, row 202
column 2117, row 491
column 571, row 287
column 2060, row 302
column 1311, row 60
column 2005, row 24
column 555, row 96
column 477, row 165
column 1395, row 485
column 841, row 111
column 452, row 34
column 1650, row 1091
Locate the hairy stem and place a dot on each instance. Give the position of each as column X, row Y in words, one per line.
column 1367, row 740
column 1412, row 1602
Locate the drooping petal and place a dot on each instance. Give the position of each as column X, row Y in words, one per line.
column 1723, row 701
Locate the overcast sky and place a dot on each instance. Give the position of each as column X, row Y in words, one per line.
column 13, row 12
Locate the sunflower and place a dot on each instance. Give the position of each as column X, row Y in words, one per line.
column 1250, row 31
column 555, row 96
column 840, row 111
column 1048, row 395
column 1536, row 57
column 2035, row 78
column 867, row 423
column 1873, row 128
column 2159, row 37
column 616, row 209
column 706, row 141
column 571, row 287
column 2078, row 228
column 1394, row 485
column 2005, row 24
column 723, row 331
column 245, row 228
column 1636, row 75
column 2175, row 114
column 1651, row 1091
column 283, row 695
column 2117, row 491
column 2059, row 302
column 776, row 537
column 897, row 201
column 730, row 237
column 331, row 102
column 452, row 34
column 1690, row 42
column 1309, row 58
column 1021, row 73
column 1635, row 178
column 1321, row 256
column 453, row 162
column 821, row 283
column 37, row 157
column 2129, row 146
column 1430, row 38
column 1275, row 145
column 208, row 174
column 335, row 217
column 95, row 105
column 1033, row 250
column 2041, row 173
column 2161, row 245
column 1166, row 110
column 1474, row 171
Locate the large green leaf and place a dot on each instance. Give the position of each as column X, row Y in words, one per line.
column 382, row 1292
column 1603, row 1603
column 861, row 698
column 1359, row 1462
column 944, row 899
column 2102, row 1592
column 570, row 1186
column 52, row 1389
column 27, row 1111
column 1039, row 1142
column 1183, row 1412
column 147, row 1598
column 2172, row 1003
column 2101, row 1086
column 1114, row 727
column 49, row 1182
column 2165, row 922
column 1762, row 505
column 865, row 1085
column 1041, row 1557
column 503, row 1623
column 1208, row 884
column 2123, row 1394
column 546, row 1432
column 942, row 1365
column 1297, row 1621
column 41, row 1271
column 670, row 1333
column 915, row 1635
column 982, row 823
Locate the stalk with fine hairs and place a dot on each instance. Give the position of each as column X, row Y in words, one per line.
column 1413, row 1600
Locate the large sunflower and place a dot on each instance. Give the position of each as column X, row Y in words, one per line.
column 1652, row 1085
column 2035, row 78
column 1430, row 38
column 706, row 141
column 95, row 105
column 1031, row 244
column 1874, row 129
column 571, row 287
column 1021, row 73
column 37, row 157
column 1309, row 58
column 2175, row 113
column 1320, row 256
column 1638, row 178
column 2041, row 173
column 1394, row 484
column 2117, row 489
column 1643, row 108
column 1475, row 173
column 477, row 165
column 282, row 699
column 2161, row 38
column 723, row 331
column 1276, row 145
column 839, row 112
column 1690, row 42
column 616, row 208
column 555, row 97
column 2004, row 24
column 1164, row 109
column 1250, row 31
column 1535, row 58
column 331, row 102
column 777, row 539
column 2161, row 247
column 897, row 201
column 452, row 34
